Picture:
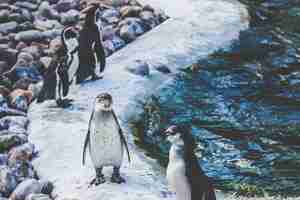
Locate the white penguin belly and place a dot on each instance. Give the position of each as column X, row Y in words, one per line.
column 177, row 179
column 106, row 148
column 73, row 67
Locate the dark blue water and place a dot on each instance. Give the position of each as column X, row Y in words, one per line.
column 243, row 104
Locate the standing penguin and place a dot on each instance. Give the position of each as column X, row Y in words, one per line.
column 90, row 45
column 184, row 173
column 105, row 139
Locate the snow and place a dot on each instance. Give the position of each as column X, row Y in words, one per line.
column 196, row 29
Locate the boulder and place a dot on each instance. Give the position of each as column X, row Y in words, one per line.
column 140, row 68
column 9, row 141
column 4, row 14
column 15, row 124
column 3, row 159
column 37, row 197
column 35, row 51
column 130, row 29
column 24, row 152
column 51, row 34
column 46, row 11
column 111, row 16
column 47, row 24
column 8, row 27
column 66, row 5
column 29, row 36
column 8, row 55
column 8, row 182
column 3, row 66
column 31, row 186
column 27, row 5
column 162, row 68
column 130, row 11
column 26, row 26
column 71, row 17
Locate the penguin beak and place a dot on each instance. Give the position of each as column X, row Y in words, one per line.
column 170, row 131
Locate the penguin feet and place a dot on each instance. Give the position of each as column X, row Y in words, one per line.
column 98, row 180
column 116, row 178
column 95, row 77
column 64, row 103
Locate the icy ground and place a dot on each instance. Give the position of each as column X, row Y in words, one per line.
column 196, row 28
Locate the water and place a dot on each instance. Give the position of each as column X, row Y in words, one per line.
column 243, row 105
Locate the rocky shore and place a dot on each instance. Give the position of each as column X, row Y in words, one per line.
column 28, row 31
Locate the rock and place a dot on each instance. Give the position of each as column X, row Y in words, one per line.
column 22, row 170
column 8, row 27
column 111, row 16
column 149, row 19
column 46, row 11
column 31, row 186
column 3, row 67
column 46, row 61
column 25, row 26
column 37, row 197
column 140, row 68
column 27, row 15
column 17, row 17
column 130, row 29
column 71, row 17
column 8, row 55
column 20, row 99
column 108, row 32
column 3, row 159
column 4, row 39
column 35, row 51
column 51, row 34
column 118, row 3
column 130, row 11
column 4, row 14
column 15, row 124
column 7, row 181
column 114, row 44
column 66, row 5
column 47, row 24
column 24, row 152
column 22, row 83
column 162, row 68
column 9, row 141
column 53, row 1
column 21, row 45
column 148, row 8
column 27, row 5
column 29, row 36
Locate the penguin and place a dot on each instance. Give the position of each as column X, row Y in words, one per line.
column 90, row 45
column 68, row 64
column 184, row 174
column 105, row 140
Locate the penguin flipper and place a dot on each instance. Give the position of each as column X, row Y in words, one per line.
column 87, row 139
column 122, row 135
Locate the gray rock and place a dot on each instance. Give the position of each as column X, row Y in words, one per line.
column 37, row 197
column 27, row 5
column 8, row 55
column 17, row 17
column 70, row 17
column 4, row 14
column 7, row 181
column 118, row 3
column 149, row 19
column 111, row 16
column 25, row 26
column 46, row 11
column 8, row 27
column 4, row 39
column 24, row 152
column 3, row 159
column 113, row 44
column 5, row 6
column 108, row 32
column 9, row 141
column 31, row 186
column 3, row 66
column 29, row 36
column 66, row 5
column 140, row 68
column 130, row 29
column 22, row 170
column 130, row 11
column 51, row 34
column 15, row 124
column 47, row 24
column 27, row 15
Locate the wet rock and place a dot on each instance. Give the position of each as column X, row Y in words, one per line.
column 47, row 24
column 27, row 15
column 27, row 5
column 9, row 141
column 114, row 44
column 130, row 11
column 70, row 17
column 111, row 16
column 46, row 11
column 66, row 5
column 38, row 197
column 35, row 51
column 15, row 124
column 3, row 66
column 4, row 14
column 149, row 19
column 108, row 32
column 130, row 29
column 24, row 152
column 3, row 159
column 29, row 36
column 21, row 45
column 31, row 186
column 140, row 68
column 7, row 181
column 51, row 34
column 4, row 39
column 162, row 68
column 118, row 3
column 8, row 27
column 8, row 55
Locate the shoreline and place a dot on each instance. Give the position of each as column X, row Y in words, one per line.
column 60, row 152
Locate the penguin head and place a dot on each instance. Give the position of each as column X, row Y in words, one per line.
column 69, row 38
column 174, row 135
column 103, row 102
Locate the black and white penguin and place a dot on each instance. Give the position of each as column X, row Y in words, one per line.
column 184, row 174
column 90, row 45
column 105, row 140
column 68, row 64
